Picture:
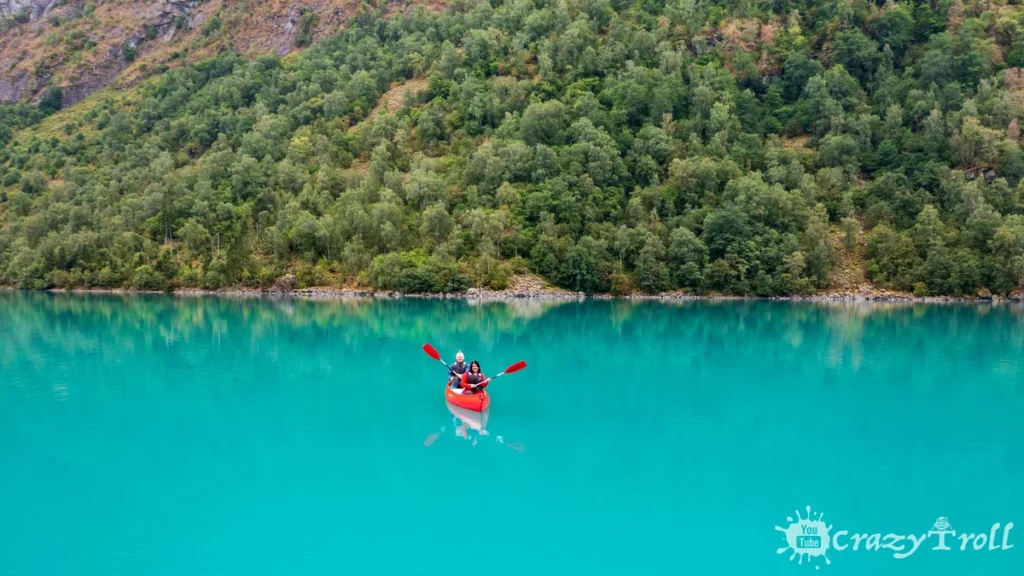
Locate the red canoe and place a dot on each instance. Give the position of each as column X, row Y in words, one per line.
column 476, row 402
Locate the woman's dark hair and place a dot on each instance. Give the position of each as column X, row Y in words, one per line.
column 474, row 363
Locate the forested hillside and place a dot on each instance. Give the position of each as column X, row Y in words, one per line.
column 608, row 145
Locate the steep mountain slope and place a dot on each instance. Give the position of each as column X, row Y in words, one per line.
column 84, row 45
column 747, row 148
column 32, row 9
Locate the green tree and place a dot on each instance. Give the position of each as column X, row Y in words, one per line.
column 52, row 100
column 816, row 247
column 146, row 278
column 543, row 122
column 579, row 271
column 652, row 275
column 687, row 257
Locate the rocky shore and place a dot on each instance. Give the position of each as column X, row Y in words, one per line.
column 533, row 288
column 872, row 295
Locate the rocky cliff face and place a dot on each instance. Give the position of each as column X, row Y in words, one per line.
column 79, row 46
column 83, row 46
column 12, row 87
column 34, row 8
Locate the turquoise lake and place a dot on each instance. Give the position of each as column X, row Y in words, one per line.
column 188, row 435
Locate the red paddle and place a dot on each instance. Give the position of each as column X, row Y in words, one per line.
column 513, row 368
column 432, row 352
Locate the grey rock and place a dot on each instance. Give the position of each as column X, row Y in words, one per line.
column 75, row 93
column 14, row 84
column 11, row 89
column 35, row 8
column 293, row 18
column 285, row 283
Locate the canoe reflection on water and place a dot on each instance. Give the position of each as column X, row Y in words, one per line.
column 470, row 426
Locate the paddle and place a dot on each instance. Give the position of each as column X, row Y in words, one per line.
column 433, row 353
column 513, row 368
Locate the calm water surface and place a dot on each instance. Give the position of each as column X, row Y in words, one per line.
column 162, row 435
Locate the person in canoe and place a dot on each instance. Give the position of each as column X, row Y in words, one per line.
column 457, row 370
column 473, row 381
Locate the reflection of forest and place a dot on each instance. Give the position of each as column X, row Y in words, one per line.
column 70, row 322
column 37, row 325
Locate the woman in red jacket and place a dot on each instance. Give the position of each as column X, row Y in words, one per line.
column 473, row 380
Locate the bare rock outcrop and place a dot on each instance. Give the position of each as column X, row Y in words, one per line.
column 286, row 283
column 11, row 88
column 113, row 64
column 34, row 8
column 120, row 43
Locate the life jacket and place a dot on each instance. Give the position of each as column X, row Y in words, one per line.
column 460, row 368
column 474, row 379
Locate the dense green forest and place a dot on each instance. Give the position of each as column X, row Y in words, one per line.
column 608, row 145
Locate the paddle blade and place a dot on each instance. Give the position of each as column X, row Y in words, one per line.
column 515, row 367
column 431, row 352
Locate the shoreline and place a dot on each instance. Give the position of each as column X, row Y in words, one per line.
column 485, row 295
